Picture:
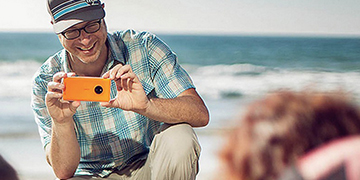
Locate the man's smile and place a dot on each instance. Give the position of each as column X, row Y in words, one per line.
column 87, row 48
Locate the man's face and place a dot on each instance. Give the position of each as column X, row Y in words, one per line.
column 88, row 47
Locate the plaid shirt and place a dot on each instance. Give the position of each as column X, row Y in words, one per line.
column 111, row 138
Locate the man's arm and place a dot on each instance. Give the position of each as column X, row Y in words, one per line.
column 188, row 107
column 63, row 151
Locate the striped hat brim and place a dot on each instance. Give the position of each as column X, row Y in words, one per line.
column 67, row 13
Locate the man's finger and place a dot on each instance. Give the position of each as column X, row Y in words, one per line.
column 55, row 87
column 58, row 76
column 115, row 71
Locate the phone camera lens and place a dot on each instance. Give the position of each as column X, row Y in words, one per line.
column 98, row 89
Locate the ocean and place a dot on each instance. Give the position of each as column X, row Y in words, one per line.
column 228, row 71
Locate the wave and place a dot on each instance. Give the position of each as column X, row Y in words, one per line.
column 15, row 81
column 212, row 82
column 238, row 80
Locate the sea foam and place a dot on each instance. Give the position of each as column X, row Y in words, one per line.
column 238, row 80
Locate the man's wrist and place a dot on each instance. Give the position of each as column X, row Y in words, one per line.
column 146, row 109
column 66, row 122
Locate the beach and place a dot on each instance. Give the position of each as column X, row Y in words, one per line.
column 26, row 155
column 20, row 143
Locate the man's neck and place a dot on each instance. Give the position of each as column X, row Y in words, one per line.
column 83, row 69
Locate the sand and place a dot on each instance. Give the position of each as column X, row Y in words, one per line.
column 26, row 155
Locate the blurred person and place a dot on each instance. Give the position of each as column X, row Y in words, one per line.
column 7, row 172
column 145, row 132
column 278, row 130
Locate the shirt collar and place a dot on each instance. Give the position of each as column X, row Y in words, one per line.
column 117, row 49
column 64, row 56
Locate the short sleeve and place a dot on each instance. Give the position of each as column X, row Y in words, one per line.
column 169, row 78
column 42, row 117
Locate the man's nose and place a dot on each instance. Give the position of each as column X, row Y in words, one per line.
column 84, row 35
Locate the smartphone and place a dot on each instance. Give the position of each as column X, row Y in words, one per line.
column 86, row 89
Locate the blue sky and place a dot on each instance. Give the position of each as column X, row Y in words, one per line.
column 309, row 17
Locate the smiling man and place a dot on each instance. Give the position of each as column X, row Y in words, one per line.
column 145, row 131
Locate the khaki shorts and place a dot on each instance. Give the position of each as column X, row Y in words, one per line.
column 174, row 155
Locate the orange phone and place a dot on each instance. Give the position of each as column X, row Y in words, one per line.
column 86, row 89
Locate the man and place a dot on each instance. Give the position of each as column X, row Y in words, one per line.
column 145, row 131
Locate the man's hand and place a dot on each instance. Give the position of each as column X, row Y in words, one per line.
column 60, row 111
column 188, row 107
column 130, row 92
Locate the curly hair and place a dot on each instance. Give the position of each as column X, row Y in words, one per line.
column 278, row 129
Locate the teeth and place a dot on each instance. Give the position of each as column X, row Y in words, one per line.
column 86, row 49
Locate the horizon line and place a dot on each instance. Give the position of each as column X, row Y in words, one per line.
column 212, row 33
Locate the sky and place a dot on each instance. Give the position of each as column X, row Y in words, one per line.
column 288, row 17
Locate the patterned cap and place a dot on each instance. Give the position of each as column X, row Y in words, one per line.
column 66, row 13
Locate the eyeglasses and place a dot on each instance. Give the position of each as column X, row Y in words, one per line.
column 89, row 28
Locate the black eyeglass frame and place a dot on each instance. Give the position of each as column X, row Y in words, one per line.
column 83, row 28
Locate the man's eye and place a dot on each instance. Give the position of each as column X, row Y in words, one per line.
column 71, row 32
column 91, row 26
